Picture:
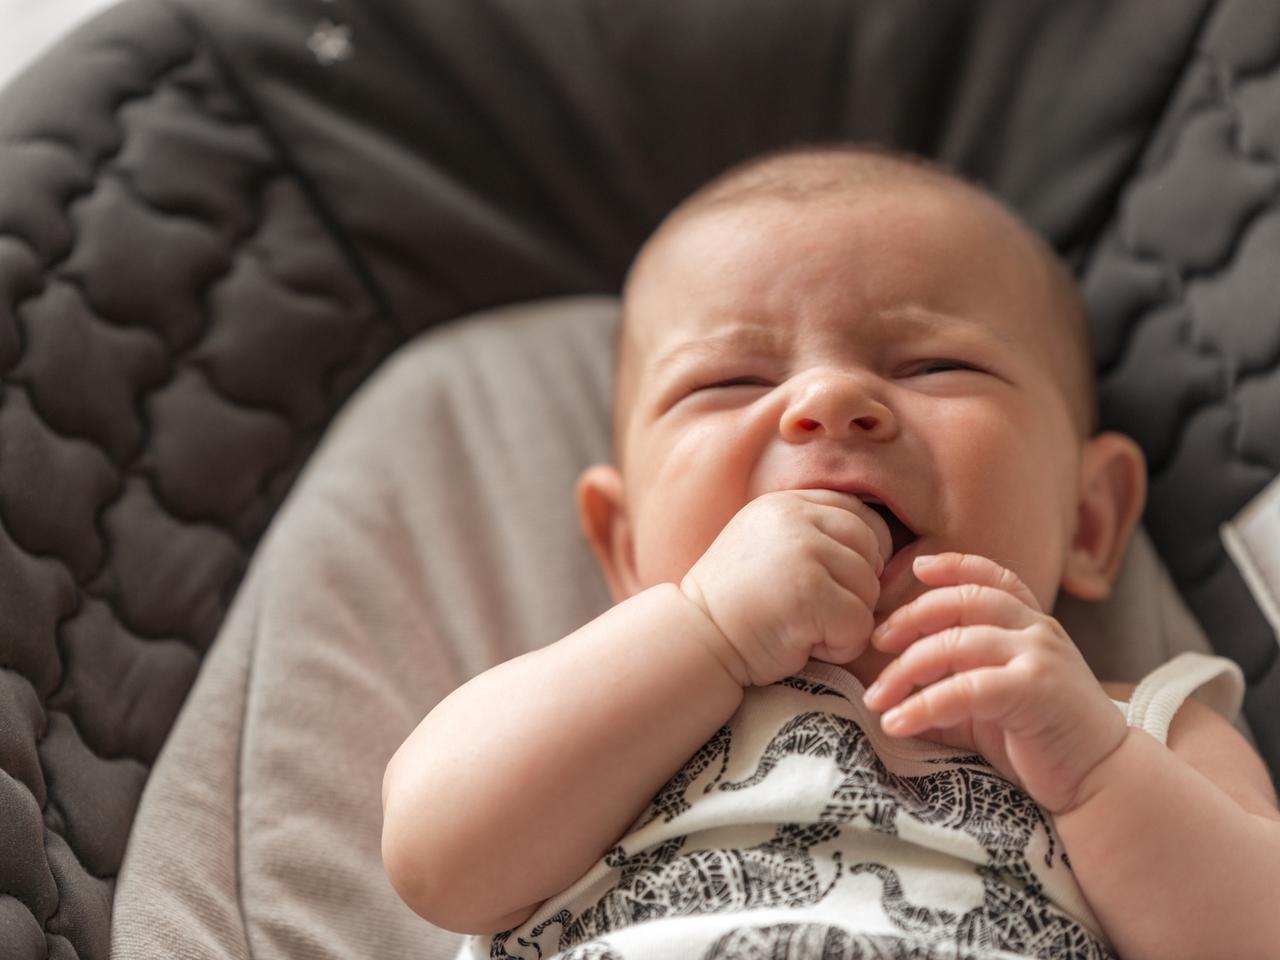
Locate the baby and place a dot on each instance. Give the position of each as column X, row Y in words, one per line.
column 830, row 713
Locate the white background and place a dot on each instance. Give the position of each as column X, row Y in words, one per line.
column 27, row 27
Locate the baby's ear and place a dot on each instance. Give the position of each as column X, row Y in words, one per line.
column 602, row 511
column 1113, row 493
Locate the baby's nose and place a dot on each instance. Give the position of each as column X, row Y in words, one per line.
column 836, row 407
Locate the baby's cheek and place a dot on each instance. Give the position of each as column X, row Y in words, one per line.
column 698, row 486
column 1007, row 492
column 670, row 541
column 683, row 528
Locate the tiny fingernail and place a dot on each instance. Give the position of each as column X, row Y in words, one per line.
column 892, row 720
column 924, row 563
column 872, row 692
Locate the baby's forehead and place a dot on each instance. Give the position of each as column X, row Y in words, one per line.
column 948, row 246
column 930, row 200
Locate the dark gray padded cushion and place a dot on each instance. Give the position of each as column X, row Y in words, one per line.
column 209, row 234
column 549, row 141
column 177, row 326
column 1185, row 295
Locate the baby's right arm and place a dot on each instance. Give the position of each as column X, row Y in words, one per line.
column 524, row 776
column 521, row 778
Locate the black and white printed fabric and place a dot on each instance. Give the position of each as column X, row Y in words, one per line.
column 801, row 830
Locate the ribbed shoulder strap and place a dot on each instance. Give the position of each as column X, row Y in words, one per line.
column 1156, row 699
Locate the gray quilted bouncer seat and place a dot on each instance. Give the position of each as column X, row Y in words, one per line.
column 218, row 217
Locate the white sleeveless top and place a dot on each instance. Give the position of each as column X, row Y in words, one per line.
column 800, row 830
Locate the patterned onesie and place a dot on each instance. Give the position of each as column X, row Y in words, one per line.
column 800, row 830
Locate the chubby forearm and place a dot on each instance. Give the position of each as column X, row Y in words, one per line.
column 1170, row 864
column 523, row 777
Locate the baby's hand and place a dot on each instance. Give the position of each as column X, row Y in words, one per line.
column 793, row 576
column 999, row 676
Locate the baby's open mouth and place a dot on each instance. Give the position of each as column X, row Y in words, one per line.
column 901, row 533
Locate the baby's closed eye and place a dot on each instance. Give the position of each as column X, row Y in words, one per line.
column 939, row 366
column 738, row 382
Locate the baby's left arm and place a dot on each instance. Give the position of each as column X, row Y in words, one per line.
column 1176, row 848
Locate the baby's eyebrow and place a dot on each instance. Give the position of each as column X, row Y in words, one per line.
column 919, row 319
column 772, row 341
column 753, row 339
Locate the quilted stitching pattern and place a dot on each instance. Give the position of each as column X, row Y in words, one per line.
column 1186, row 299
column 176, row 327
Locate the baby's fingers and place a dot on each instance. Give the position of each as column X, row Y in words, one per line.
column 987, row 693
column 960, row 605
column 845, row 622
column 952, row 651
column 946, row 568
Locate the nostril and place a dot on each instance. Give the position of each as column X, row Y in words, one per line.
column 804, row 423
column 866, row 423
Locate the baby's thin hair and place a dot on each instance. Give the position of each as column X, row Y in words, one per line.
column 802, row 171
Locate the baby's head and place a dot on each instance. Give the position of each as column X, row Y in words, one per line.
column 859, row 319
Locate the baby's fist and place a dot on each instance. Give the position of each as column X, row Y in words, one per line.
column 794, row 575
